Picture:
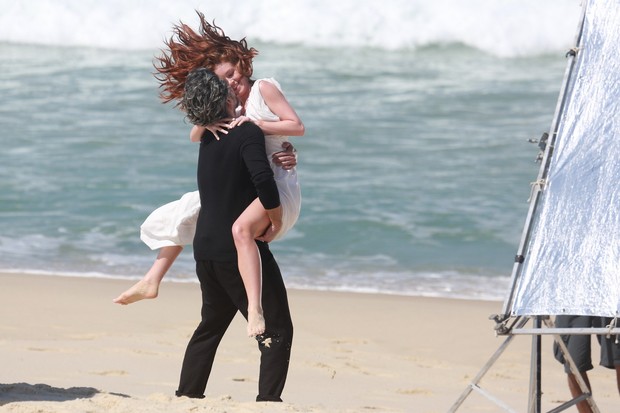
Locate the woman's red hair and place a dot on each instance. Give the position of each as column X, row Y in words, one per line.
column 188, row 50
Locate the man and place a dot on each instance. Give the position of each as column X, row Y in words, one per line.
column 232, row 172
column 579, row 348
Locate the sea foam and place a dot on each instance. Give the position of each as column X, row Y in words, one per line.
column 502, row 28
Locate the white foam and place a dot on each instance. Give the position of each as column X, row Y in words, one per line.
column 502, row 28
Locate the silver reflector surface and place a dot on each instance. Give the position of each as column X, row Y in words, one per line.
column 572, row 259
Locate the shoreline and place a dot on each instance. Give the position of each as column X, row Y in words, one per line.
column 62, row 340
column 336, row 289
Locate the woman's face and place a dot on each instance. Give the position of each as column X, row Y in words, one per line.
column 237, row 82
column 232, row 102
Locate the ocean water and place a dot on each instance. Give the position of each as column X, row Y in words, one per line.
column 415, row 167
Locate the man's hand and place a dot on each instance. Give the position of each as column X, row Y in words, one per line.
column 275, row 216
column 286, row 158
column 270, row 233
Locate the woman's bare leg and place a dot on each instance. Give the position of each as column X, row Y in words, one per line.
column 251, row 224
column 148, row 286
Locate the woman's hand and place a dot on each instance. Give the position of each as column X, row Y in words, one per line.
column 216, row 128
column 238, row 121
column 221, row 126
column 286, row 158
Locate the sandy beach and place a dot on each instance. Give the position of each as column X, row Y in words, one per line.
column 65, row 347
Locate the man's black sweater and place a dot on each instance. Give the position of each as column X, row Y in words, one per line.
column 232, row 172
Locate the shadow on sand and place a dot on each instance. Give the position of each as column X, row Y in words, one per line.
column 23, row 392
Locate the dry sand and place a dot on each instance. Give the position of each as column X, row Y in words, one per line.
column 65, row 347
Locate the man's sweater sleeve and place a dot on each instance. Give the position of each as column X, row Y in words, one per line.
column 254, row 155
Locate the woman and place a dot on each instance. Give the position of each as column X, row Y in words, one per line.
column 172, row 225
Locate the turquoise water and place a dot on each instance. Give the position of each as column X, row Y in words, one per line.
column 415, row 167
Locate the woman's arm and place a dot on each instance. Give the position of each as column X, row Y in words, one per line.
column 195, row 135
column 289, row 123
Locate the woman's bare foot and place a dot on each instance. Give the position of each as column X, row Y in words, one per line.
column 141, row 290
column 256, row 323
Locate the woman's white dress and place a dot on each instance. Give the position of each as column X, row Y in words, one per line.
column 175, row 223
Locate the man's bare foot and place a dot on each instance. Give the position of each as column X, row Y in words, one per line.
column 256, row 323
column 139, row 291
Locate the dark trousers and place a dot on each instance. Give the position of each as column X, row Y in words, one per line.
column 223, row 294
column 579, row 346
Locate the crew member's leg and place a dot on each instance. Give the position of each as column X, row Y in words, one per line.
column 610, row 350
column 579, row 348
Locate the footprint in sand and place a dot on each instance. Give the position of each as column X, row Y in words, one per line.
column 422, row 392
column 110, row 373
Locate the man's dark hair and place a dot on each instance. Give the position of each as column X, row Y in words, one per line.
column 204, row 100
